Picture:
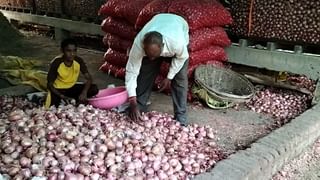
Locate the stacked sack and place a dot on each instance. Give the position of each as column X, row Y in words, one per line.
column 206, row 19
column 121, row 16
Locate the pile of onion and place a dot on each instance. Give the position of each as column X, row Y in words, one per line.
column 303, row 82
column 283, row 105
column 87, row 143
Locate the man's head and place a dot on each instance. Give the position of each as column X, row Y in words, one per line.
column 69, row 49
column 153, row 44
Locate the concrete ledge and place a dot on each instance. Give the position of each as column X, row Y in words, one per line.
column 298, row 63
column 65, row 24
column 265, row 157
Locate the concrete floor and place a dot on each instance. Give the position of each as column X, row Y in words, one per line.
column 235, row 129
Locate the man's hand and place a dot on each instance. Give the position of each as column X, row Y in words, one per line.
column 67, row 100
column 166, row 83
column 83, row 97
column 134, row 113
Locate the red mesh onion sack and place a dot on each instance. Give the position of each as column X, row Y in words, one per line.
column 113, row 8
column 202, row 38
column 211, row 53
column 133, row 10
column 153, row 8
column 127, row 9
column 113, row 70
column 118, row 27
column 164, row 69
column 117, row 43
column 201, row 13
column 116, row 58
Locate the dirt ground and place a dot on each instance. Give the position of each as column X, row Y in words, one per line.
column 304, row 167
column 235, row 129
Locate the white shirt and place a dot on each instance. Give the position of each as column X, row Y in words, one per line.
column 175, row 32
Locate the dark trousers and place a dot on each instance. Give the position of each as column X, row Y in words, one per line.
column 73, row 92
column 179, row 86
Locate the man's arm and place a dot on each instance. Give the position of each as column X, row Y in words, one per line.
column 132, row 71
column 133, row 67
column 87, row 83
column 178, row 61
column 87, row 76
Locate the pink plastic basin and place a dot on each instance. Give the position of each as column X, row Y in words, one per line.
column 109, row 98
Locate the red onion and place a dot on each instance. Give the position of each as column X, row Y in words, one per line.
column 74, row 153
column 109, row 162
column 102, row 170
column 88, row 139
column 61, row 176
column 26, row 142
column 15, row 155
column 156, row 165
column 26, row 173
column 94, row 133
column 126, row 141
column 102, row 148
column 52, row 137
column 31, row 151
column 58, row 153
column 173, row 162
column 105, row 145
column 118, row 159
column 114, row 169
column 18, row 177
column 137, row 154
column 92, row 146
column 54, row 163
column 128, row 158
column 94, row 176
column 84, row 169
column 162, row 175
column 14, row 116
column 53, row 177
column 282, row 105
column 9, row 149
column 98, row 162
column 101, row 155
column 95, row 169
column 25, row 162
column 71, row 146
column 70, row 176
column 37, row 159
column 54, row 170
column 131, row 166
column 85, row 152
column 13, row 171
column 111, row 176
column 138, row 163
column 158, row 149
column 79, row 141
column 102, row 137
column 110, row 145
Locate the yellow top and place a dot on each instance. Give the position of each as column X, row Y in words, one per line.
column 67, row 76
column 62, row 76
